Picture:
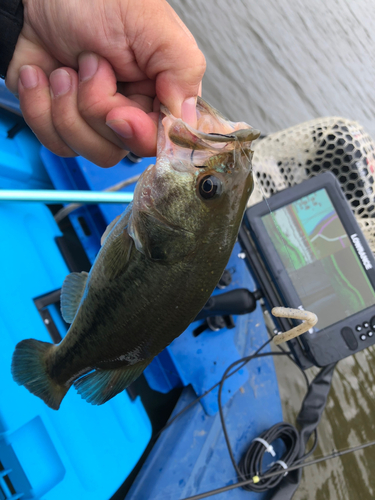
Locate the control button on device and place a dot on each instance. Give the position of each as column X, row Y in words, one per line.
column 366, row 324
column 370, row 333
column 358, row 328
column 363, row 336
column 372, row 323
column 349, row 337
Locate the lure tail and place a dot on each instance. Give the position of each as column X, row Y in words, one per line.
column 29, row 369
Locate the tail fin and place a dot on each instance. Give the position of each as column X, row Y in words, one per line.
column 29, row 369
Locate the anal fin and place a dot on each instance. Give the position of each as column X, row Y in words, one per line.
column 100, row 386
column 71, row 294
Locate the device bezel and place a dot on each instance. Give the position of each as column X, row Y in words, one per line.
column 270, row 257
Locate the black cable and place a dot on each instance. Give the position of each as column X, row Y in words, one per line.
column 251, row 463
column 240, row 484
column 243, row 362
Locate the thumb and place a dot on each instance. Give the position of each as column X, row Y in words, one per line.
column 178, row 89
column 179, row 83
column 173, row 60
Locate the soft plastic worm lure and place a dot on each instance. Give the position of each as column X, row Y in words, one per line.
column 309, row 320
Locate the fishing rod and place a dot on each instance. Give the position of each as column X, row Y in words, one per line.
column 57, row 196
column 256, row 479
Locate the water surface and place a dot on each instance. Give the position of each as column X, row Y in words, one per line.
column 274, row 64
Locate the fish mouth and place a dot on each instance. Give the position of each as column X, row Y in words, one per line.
column 188, row 149
column 213, row 131
column 181, row 134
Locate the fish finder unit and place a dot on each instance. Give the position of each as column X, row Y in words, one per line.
column 305, row 249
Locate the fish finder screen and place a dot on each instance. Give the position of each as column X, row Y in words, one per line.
column 319, row 258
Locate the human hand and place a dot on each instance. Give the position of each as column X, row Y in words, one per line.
column 97, row 62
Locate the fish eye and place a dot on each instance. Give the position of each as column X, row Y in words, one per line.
column 209, row 187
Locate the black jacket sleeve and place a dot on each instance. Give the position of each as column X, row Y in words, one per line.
column 11, row 22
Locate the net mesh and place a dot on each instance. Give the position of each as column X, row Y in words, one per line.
column 333, row 144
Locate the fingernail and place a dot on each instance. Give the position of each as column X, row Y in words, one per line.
column 60, row 81
column 88, row 65
column 121, row 127
column 29, row 77
column 189, row 112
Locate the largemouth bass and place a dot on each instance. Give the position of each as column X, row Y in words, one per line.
column 158, row 264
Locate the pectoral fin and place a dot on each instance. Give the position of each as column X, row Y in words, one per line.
column 158, row 240
column 71, row 294
column 117, row 245
column 100, row 386
column 109, row 229
column 117, row 255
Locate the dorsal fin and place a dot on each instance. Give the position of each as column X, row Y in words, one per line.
column 71, row 294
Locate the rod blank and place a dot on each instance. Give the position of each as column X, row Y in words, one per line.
column 56, row 196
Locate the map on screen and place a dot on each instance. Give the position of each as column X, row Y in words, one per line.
column 319, row 258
